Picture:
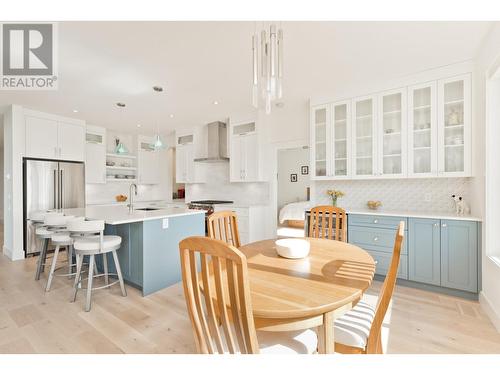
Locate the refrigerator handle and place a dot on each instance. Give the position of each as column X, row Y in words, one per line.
column 55, row 190
column 61, row 190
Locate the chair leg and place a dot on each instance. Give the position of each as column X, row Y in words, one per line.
column 41, row 259
column 119, row 273
column 89, row 283
column 79, row 262
column 52, row 269
column 105, row 266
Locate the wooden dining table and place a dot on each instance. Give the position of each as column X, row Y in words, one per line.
column 292, row 294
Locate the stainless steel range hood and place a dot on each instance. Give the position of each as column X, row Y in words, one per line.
column 216, row 134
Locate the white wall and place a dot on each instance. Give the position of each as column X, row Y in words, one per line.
column 290, row 161
column 218, row 187
column 487, row 56
column 1, row 166
column 14, row 149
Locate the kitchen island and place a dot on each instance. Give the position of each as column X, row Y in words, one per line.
column 149, row 253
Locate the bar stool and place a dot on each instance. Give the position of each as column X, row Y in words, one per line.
column 62, row 239
column 91, row 243
column 43, row 232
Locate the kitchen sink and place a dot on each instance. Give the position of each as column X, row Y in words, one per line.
column 147, row 209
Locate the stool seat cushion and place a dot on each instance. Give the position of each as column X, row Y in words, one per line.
column 61, row 237
column 93, row 243
column 43, row 231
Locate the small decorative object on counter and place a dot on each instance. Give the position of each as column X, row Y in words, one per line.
column 334, row 195
column 110, row 163
column 373, row 205
column 121, row 198
column 461, row 207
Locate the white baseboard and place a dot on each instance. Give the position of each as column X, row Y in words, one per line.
column 489, row 310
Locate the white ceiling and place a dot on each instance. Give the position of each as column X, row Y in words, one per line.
column 101, row 63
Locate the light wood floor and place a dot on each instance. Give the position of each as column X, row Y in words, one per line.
column 32, row 321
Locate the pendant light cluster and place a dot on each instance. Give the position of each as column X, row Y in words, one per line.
column 268, row 74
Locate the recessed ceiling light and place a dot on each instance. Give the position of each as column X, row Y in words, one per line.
column 138, row 125
column 75, row 111
column 120, row 104
column 171, row 115
column 216, row 102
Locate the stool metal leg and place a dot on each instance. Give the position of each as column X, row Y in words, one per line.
column 119, row 273
column 52, row 269
column 89, row 283
column 69, row 250
column 41, row 259
column 79, row 262
column 105, row 266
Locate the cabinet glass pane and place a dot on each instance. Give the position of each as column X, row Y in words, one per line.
column 421, row 128
column 391, row 127
column 454, row 126
column 364, row 137
column 320, row 140
column 94, row 138
column 340, row 139
column 244, row 128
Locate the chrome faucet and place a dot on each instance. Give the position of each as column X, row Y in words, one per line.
column 131, row 204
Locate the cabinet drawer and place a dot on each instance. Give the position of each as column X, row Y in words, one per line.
column 378, row 239
column 384, row 261
column 375, row 221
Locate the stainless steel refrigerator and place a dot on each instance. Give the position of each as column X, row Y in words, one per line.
column 50, row 185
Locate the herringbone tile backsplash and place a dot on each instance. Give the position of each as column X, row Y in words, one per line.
column 427, row 194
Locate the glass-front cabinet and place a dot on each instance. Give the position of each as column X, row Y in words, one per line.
column 341, row 140
column 320, row 134
column 422, row 130
column 364, row 136
column 454, row 126
column 392, row 133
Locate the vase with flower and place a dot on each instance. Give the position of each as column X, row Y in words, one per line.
column 334, row 195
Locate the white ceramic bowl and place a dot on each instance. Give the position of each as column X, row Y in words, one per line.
column 293, row 248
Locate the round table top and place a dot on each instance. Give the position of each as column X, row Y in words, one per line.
column 333, row 275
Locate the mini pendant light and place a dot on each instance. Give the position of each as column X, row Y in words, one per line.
column 120, row 147
column 157, row 144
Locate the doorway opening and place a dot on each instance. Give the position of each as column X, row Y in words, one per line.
column 293, row 190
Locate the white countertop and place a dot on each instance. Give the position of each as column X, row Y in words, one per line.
column 118, row 214
column 425, row 215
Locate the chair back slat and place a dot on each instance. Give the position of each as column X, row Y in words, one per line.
column 373, row 344
column 321, row 220
column 223, row 226
column 222, row 275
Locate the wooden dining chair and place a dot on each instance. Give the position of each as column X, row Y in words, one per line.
column 223, row 225
column 359, row 330
column 328, row 222
column 217, row 293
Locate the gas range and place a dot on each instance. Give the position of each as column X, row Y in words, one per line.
column 206, row 205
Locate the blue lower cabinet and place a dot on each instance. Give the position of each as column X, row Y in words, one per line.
column 459, row 253
column 424, row 251
column 384, row 262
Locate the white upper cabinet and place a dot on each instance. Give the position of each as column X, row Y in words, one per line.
column 244, row 161
column 148, row 162
column 392, row 138
column 454, row 126
column 71, row 141
column 320, row 141
column 186, row 169
column 41, row 138
column 364, row 136
column 341, row 140
column 49, row 138
column 95, row 155
column 422, row 130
